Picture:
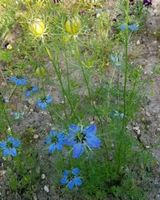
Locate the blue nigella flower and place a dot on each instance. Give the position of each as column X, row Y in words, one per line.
column 71, row 178
column 17, row 80
column 116, row 60
column 131, row 27
column 44, row 102
column 31, row 90
column 55, row 140
column 123, row 27
column 9, row 147
column 80, row 138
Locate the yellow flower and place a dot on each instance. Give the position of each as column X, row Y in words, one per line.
column 73, row 25
column 37, row 27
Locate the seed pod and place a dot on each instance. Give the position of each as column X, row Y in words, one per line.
column 73, row 25
column 37, row 27
column 40, row 72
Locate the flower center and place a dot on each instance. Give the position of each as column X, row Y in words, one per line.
column 54, row 139
column 9, row 145
column 80, row 137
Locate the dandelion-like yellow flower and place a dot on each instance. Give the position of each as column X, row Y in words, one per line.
column 37, row 27
column 73, row 25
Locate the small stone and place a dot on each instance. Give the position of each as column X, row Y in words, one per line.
column 147, row 147
column 43, row 176
column 36, row 136
column 138, row 42
column 46, row 188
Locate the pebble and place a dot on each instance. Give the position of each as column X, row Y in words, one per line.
column 46, row 188
column 43, row 176
column 36, row 136
column 138, row 42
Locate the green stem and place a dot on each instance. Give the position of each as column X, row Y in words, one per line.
column 58, row 73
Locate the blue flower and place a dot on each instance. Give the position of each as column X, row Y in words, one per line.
column 55, row 140
column 44, row 102
column 131, row 27
column 71, row 179
column 31, row 90
column 80, row 138
column 9, row 147
column 116, row 59
column 123, row 27
column 18, row 81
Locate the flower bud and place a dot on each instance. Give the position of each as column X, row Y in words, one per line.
column 73, row 25
column 37, row 27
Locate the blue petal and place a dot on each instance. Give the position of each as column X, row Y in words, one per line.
column 74, row 129
column 77, row 181
column 42, row 105
column 70, row 184
column 123, row 27
column 66, row 172
column 53, row 133
column 13, row 152
column 59, row 146
column 28, row 93
column 64, row 180
column 69, row 140
column 75, row 171
column 93, row 142
column 51, row 148
column 48, row 140
column 3, row 144
column 133, row 27
column 49, row 99
column 78, row 150
column 6, row 152
column 90, row 130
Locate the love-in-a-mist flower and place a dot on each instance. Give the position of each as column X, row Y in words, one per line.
column 31, row 90
column 55, row 140
column 9, row 147
column 44, row 102
column 71, row 178
column 18, row 80
column 80, row 138
column 131, row 27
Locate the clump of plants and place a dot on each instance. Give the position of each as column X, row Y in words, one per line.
column 71, row 65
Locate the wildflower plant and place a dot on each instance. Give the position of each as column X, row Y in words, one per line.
column 71, row 178
column 9, row 146
column 82, row 138
column 82, row 54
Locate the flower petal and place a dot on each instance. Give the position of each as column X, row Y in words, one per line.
column 70, row 184
column 90, row 130
column 75, row 171
column 78, row 150
column 51, row 148
column 13, row 152
column 73, row 128
column 3, row 144
column 93, row 142
column 77, row 181
column 64, row 180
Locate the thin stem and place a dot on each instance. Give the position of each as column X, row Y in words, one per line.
column 58, row 73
